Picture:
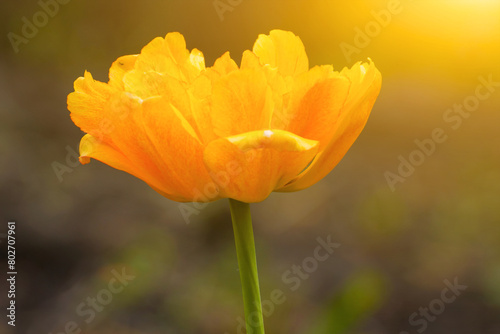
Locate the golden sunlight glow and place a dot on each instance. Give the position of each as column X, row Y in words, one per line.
column 440, row 35
column 457, row 19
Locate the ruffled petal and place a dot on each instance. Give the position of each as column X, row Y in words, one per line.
column 149, row 84
column 365, row 86
column 222, row 66
column 121, row 130
column 284, row 50
column 202, row 85
column 169, row 56
column 89, row 105
column 119, row 68
column 196, row 59
column 249, row 166
column 200, row 93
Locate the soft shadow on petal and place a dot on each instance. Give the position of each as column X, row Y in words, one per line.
column 123, row 133
column 152, row 141
column 241, row 102
column 201, row 108
column 284, row 50
column 316, row 100
column 177, row 149
column 91, row 147
column 279, row 85
column 365, row 86
column 249, row 166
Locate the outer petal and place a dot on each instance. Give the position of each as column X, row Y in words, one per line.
column 284, row 50
column 316, row 100
column 151, row 140
column 91, row 147
column 241, row 102
column 249, row 166
column 366, row 83
column 124, row 134
column 177, row 149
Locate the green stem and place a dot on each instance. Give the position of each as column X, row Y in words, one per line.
column 245, row 250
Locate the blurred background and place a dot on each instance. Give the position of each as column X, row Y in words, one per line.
column 100, row 252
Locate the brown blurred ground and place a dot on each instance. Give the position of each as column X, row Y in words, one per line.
column 396, row 247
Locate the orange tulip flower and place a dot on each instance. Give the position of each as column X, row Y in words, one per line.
column 198, row 134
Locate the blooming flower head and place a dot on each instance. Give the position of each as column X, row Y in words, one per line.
column 198, row 134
